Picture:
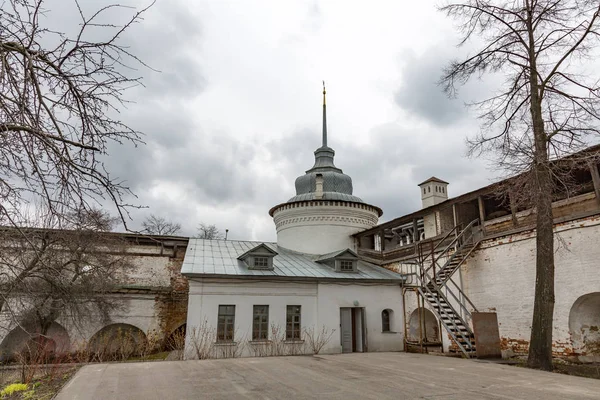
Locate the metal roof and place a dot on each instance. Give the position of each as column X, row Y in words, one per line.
column 433, row 179
column 336, row 184
column 219, row 258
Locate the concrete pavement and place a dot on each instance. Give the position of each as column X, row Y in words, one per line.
column 348, row 376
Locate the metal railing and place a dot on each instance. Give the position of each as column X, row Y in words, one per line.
column 432, row 287
column 448, row 319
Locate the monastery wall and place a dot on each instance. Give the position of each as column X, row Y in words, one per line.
column 500, row 277
column 153, row 300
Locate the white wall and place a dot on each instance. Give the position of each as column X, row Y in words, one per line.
column 501, row 277
column 320, row 308
column 430, row 225
column 374, row 299
column 320, row 227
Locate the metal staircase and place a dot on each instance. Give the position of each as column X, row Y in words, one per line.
column 450, row 304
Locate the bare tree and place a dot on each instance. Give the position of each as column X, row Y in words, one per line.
column 208, row 232
column 65, row 269
column 59, row 96
column 545, row 109
column 160, row 226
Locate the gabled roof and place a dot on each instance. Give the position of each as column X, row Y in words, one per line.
column 433, row 179
column 220, row 258
column 257, row 249
column 335, row 254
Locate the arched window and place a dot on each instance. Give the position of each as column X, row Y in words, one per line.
column 386, row 318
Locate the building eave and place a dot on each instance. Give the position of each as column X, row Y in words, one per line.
column 274, row 208
column 304, row 279
column 466, row 197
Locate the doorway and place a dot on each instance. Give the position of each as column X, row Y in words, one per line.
column 353, row 330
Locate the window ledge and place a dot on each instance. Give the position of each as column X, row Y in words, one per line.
column 389, row 332
column 260, row 341
column 225, row 343
column 293, row 341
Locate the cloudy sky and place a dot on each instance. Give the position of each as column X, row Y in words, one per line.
column 234, row 114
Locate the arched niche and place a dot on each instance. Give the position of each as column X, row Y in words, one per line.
column 117, row 341
column 176, row 339
column 387, row 320
column 584, row 325
column 28, row 339
column 429, row 330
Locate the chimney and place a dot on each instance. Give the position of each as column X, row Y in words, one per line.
column 319, row 187
column 433, row 191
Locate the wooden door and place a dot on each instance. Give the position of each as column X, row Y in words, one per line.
column 346, row 329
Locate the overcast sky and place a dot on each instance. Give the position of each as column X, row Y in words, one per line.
column 235, row 113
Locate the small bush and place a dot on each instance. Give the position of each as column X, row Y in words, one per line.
column 13, row 388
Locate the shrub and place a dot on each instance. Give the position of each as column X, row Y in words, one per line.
column 13, row 388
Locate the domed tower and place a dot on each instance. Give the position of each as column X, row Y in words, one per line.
column 324, row 213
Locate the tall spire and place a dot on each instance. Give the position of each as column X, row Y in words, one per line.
column 324, row 118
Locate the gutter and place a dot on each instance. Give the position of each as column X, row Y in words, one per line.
column 400, row 280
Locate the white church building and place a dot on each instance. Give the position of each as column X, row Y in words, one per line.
column 307, row 293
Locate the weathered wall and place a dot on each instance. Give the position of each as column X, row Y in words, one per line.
column 153, row 299
column 501, row 277
column 430, row 225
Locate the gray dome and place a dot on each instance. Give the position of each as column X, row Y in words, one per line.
column 336, row 184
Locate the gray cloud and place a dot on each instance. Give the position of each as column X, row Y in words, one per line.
column 386, row 170
column 203, row 164
column 420, row 93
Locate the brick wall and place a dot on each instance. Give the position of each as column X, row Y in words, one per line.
column 500, row 277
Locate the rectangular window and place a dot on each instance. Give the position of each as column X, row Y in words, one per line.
column 260, row 323
column 346, row 265
column 261, row 262
column 225, row 324
column 292, row 331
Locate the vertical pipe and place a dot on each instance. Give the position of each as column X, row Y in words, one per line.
column 432, row 260
column 420, row 330
column 404, row 319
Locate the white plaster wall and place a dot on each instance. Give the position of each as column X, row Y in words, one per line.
column 149, row 271
column 137, row 310
column 430, row 225
column 501, row 277
column 320, row 308
column 374, row 299
column 321, row 228
column 318, row 239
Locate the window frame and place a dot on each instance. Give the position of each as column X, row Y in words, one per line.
column 351, row 263
column 387, row 320
column 225, row 320
column 260, row 327
column 293, row 327
column 260, row 262
column 339, row 261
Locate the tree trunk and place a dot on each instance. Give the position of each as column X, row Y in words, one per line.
column 540, row 346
